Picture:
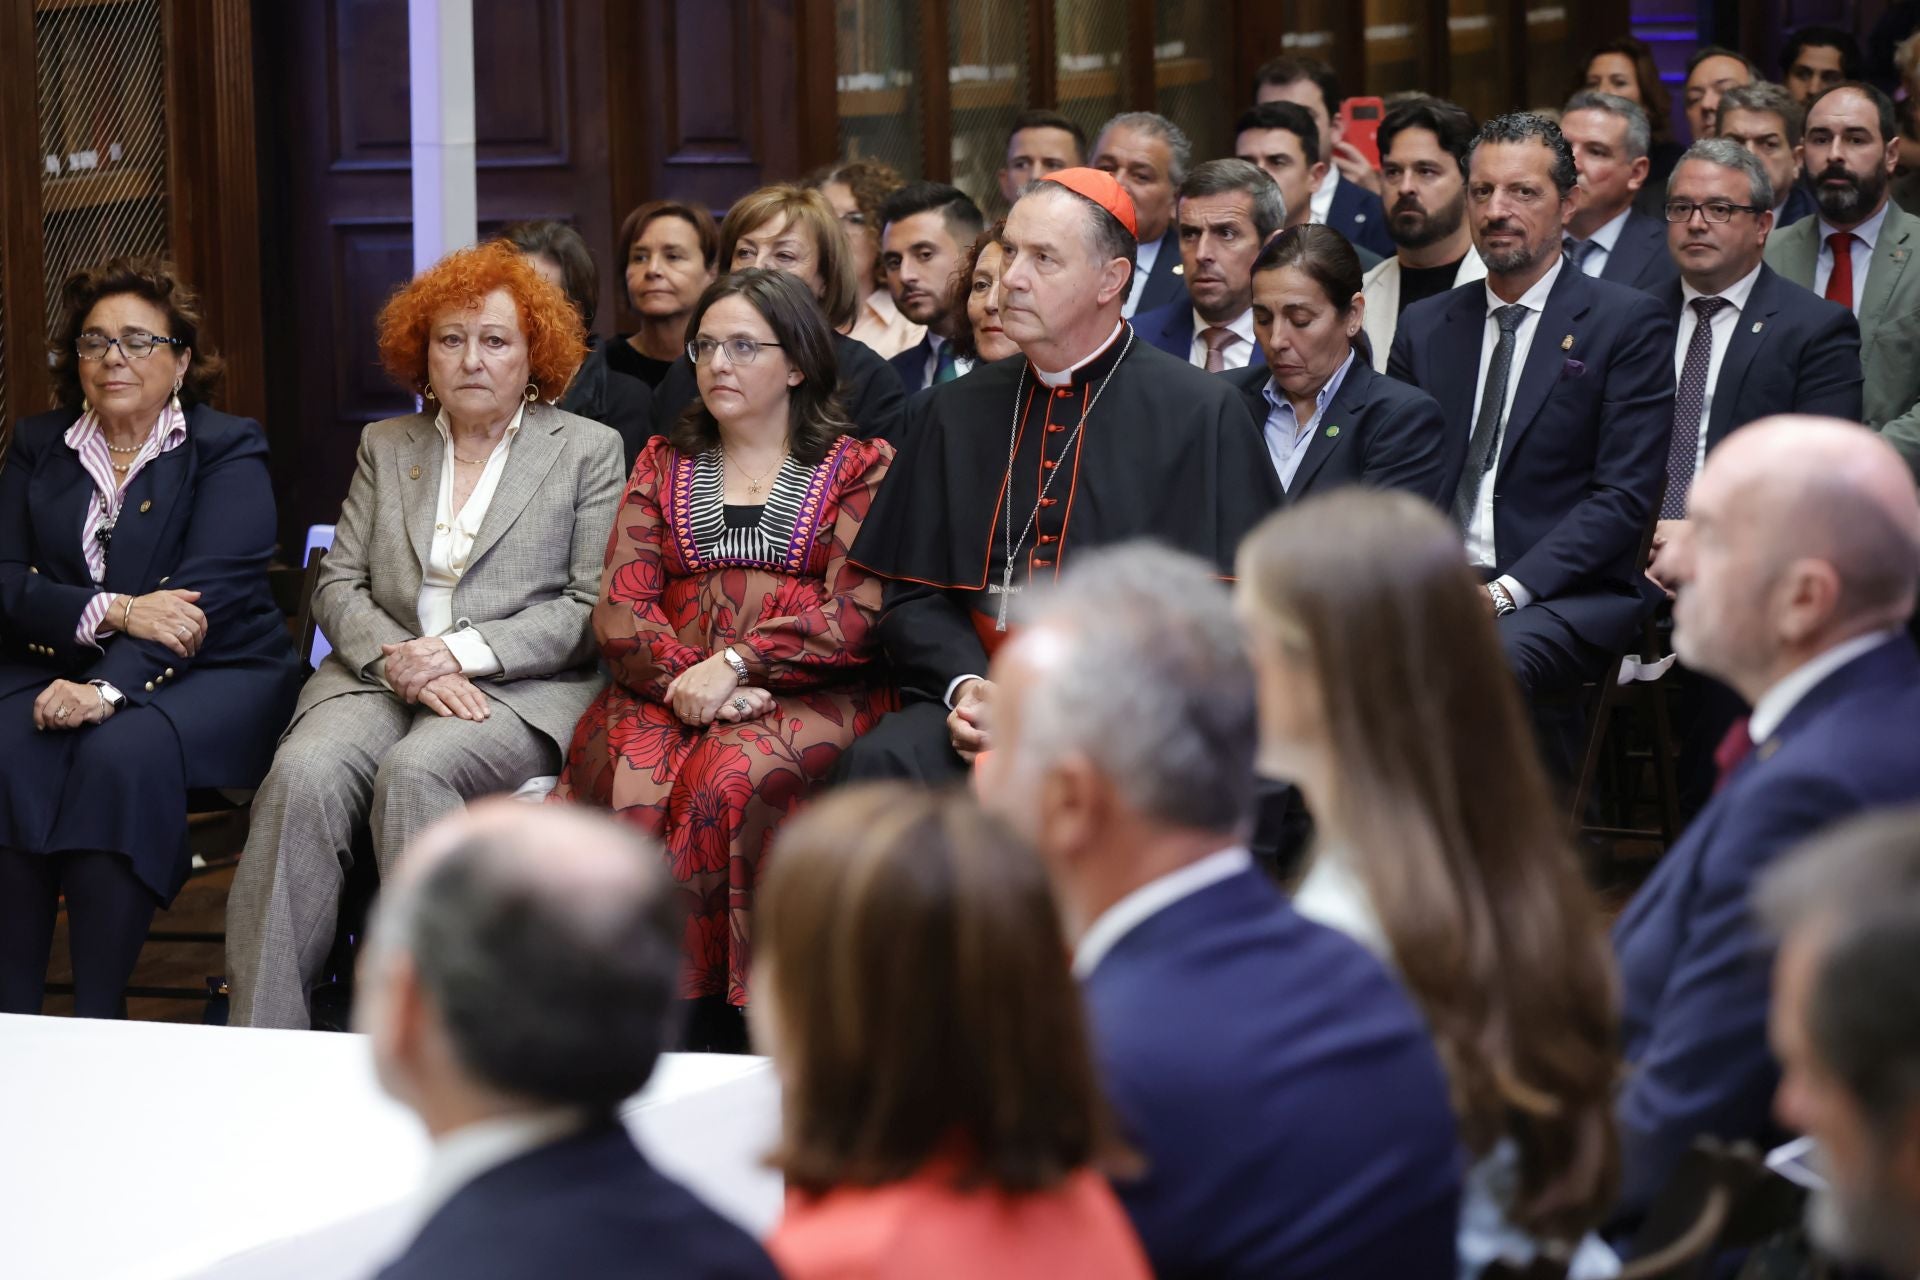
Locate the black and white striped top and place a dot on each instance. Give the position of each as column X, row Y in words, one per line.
column 765, row 543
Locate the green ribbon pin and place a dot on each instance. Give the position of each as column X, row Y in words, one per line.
column 1332, row 432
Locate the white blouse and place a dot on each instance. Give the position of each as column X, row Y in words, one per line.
column 447, row 557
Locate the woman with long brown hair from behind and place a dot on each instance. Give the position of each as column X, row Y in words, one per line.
column 1384, row 698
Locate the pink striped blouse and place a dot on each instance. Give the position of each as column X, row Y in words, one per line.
column 89, row 440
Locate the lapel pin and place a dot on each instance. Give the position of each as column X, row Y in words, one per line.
column 414, row 474
column 1179, row 268
column 1767, row 749
column 146, row 506
column 1332, row 432
column 1758, row 325
column 1566, row 343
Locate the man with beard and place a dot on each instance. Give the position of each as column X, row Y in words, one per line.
column 1227, row 210
column 1859, row 251
column 925, row 231
column 1606, row 237
column 1563, row 386
column 1846, row 1029
column 1423, row 162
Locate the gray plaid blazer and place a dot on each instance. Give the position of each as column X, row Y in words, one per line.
column 530, row 585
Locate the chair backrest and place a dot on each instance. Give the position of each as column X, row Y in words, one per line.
column 1721, row 1197
column 293, row 592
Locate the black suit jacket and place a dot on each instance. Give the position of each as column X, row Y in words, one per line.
column 1798, row 204
column 1359, row 215
column 1792, row 351
column 1584, row 455
column 911, row 365
column 611, row 398
column 587, row 1205
column 1166, row 282
column 1639, row 258
column 869, row 388
column 1376, row 432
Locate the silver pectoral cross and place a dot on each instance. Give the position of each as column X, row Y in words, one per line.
column 1006, row 591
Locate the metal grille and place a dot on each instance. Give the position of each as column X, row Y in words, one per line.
column 987, row 69
column 103, row 137
column 1192, row 61
column 1089, row 39
column 880, row 101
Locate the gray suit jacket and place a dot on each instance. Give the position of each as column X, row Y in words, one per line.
column 531, row 582
column 1889, row 320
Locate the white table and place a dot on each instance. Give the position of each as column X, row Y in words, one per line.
column 150, row 1151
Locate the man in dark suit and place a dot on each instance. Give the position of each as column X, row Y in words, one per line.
column 1796, row 577
column 1764, row 118
column 1280, row 1085
column 926, row 229
column 1283, row 140
column 517, row 984
column 1149, row 156
column 1606, row 237
column 1563, row 386
column 1348, row 198
column 1364, row 428
column 1227, row 210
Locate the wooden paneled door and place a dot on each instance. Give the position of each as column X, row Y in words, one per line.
column 337, row 198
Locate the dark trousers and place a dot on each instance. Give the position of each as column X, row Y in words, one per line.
column 108, row 913
column 911, row 744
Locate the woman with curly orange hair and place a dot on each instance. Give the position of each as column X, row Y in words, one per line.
column 458, row 598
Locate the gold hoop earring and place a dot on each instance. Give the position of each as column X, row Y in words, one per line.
column 176, row 395
column 426, row 394
column 533, row 392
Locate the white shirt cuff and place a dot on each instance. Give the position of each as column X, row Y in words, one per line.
column 1521, row 596
column 955, row 687
column 475, row 657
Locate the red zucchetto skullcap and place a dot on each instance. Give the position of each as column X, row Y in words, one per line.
column 1104, row 190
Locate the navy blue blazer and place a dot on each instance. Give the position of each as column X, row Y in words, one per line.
column 1170, row 328
column 587, row 1205
column 869, row 389
column 1359, row 215
column 1799, row 204
column 1791, row 352
column 1284, row 1092
column 199, row 518
column 1584, row 457
column 1166, row 282
column 1694, row 966
column 1639, row 258
column 1376, row 432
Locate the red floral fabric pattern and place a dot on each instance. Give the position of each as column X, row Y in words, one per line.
column 715, row 795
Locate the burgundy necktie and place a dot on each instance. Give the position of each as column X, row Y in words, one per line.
column 1840, row 280
column 1733, row 748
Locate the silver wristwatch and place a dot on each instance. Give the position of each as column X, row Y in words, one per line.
column 738, row 664
column 1502, row 600
column 110, row 696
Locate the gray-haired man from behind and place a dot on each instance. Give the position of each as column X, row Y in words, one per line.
column 517, row 987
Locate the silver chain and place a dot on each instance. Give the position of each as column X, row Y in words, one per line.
column 1013, row 440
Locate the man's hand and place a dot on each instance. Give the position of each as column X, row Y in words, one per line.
column 412, row 666
column 967, row 723
column 1660, row 558
column 455, row 696
column 1354, row 168
column 698, row 693
column 67, row 705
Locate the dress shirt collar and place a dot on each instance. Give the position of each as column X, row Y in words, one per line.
column 1773, row 707
column 1320, row 203
column 1868, row 231
column 1609, row 233
column 1534, row 299
column 1149, row 900
column 1241, row 326
column 445, row 427
column 167, row 433
column 1736, row 293
column 1065, row 376
column 462, row 1157
column 1277, row 399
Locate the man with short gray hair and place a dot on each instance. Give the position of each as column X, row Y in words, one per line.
column 1277, row 1142
column 1606, row 237
column 1227, row 210
column 517, row 987
column 1794, row 579
column 1846, row 1028
column 1149, row 156
column 1765, row 119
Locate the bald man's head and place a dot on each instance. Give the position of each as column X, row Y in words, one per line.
column 1802, row 533
column 543, row 942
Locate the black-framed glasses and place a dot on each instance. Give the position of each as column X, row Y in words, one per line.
column 739, row 350
column 1711, row 210
column 134, row 346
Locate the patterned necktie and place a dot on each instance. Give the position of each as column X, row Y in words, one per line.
column 944, row 368
column 1216, row 337
column 1486, row 427
column 1689, row 402
column 1577, row 251
column 1840, row 279
column 1733, row 749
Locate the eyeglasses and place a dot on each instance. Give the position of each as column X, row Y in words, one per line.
column 739, row 350
column 134, row 346
column 1711, row 210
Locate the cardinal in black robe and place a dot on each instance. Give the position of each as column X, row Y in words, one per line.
column 1014, row 465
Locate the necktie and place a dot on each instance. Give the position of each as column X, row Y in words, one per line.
column 1735, row 747
column 1481, row 447
column 1577, row 251
column 1217, row 337
column 944, row 369
column 1840, row 280
column 1683, row 444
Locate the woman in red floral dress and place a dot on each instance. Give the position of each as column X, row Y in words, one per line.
column 739, row 636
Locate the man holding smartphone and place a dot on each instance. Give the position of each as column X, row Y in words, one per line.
column 1348, row 198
